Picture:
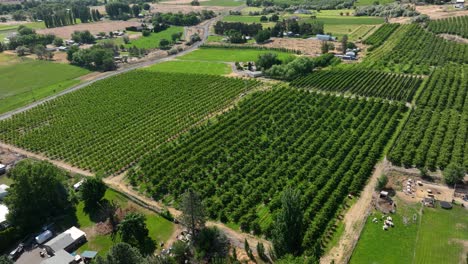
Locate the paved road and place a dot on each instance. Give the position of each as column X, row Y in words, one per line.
column 205, row 26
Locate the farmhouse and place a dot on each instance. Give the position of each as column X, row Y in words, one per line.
column 459, row 3
column 302, row 11
column 325, row 37
column 65, row 241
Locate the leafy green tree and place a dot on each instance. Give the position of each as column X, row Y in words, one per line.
column 121, row 253
column 453, row 174
column 37, row 194
column 133, row 229
column 92, row 191
column 381, row 182
column 267, row 60
column 262, row 36
column 180, row 251
column 5, row 260
column 193, row 213
column 235, row 36
column 211, row 242
column 344, row 43
column 58, row 41
column 164, row 44
column 288, row 230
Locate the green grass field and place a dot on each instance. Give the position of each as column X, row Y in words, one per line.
column 34, row 25
column 159, row 228
column 215, row 68
column 152, row 41
column 215, row 38
column 215, row 54
column 23, row 81
column 371, row 2
column 434, row 238
column 222, row 3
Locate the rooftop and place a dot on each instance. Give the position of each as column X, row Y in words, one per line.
column 3, row 213
column 60, row 257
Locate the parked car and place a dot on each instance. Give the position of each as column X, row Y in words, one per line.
column 16, row 252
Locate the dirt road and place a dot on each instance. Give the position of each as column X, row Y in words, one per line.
column 354, row 221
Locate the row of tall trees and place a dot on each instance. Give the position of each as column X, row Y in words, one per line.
column 63, row 15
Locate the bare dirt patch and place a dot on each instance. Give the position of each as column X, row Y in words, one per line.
column 180, row 2
column 454, row 38
column 166, row 8
column 354, row 221
column 438, row 11
column 94, row 28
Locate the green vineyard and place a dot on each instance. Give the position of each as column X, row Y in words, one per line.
column 364, row 83
column 436, row 133
column 110, row 124
column 453, row 25
column 380, row 35
column 323, row 145
column 411, row 49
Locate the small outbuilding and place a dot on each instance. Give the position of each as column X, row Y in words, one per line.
column 445, row 205
column 2, row 169
column 44, row 236
column 429, row 202
column 3, row 213
column 383, row 194
column 88, row 255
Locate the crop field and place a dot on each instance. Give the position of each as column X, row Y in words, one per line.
column 365, row 83
column 323, row 145
column 453, row 25
column 436, row 132
column 361, row 32
column 231, row 54
column 435, row 237
column 200, row 67
column 22, row 81
column 152, row 41
column 380, row 35
column 112, row 123
column 412, row 49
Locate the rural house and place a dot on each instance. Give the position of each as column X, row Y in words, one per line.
column 67, row 241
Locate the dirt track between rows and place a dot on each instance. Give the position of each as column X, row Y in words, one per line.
column 354, row 221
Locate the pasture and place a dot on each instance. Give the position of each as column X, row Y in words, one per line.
column 111, row 123
column 371, row 2
column 231, row 54
column 152, row 41
column 435, row 237
column 214, row 68
column 24, row 80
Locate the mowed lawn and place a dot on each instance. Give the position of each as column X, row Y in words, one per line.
column 230, row 55
column 434, row 238
column 159, row 228
column 152, row 41
column 25, row 80
column 215, row 68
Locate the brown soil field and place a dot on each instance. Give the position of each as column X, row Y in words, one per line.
column 94, row 28
column 437, row 12
column 175, row 8
column 180, row 2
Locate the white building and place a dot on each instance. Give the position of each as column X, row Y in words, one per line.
column 3, row 213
